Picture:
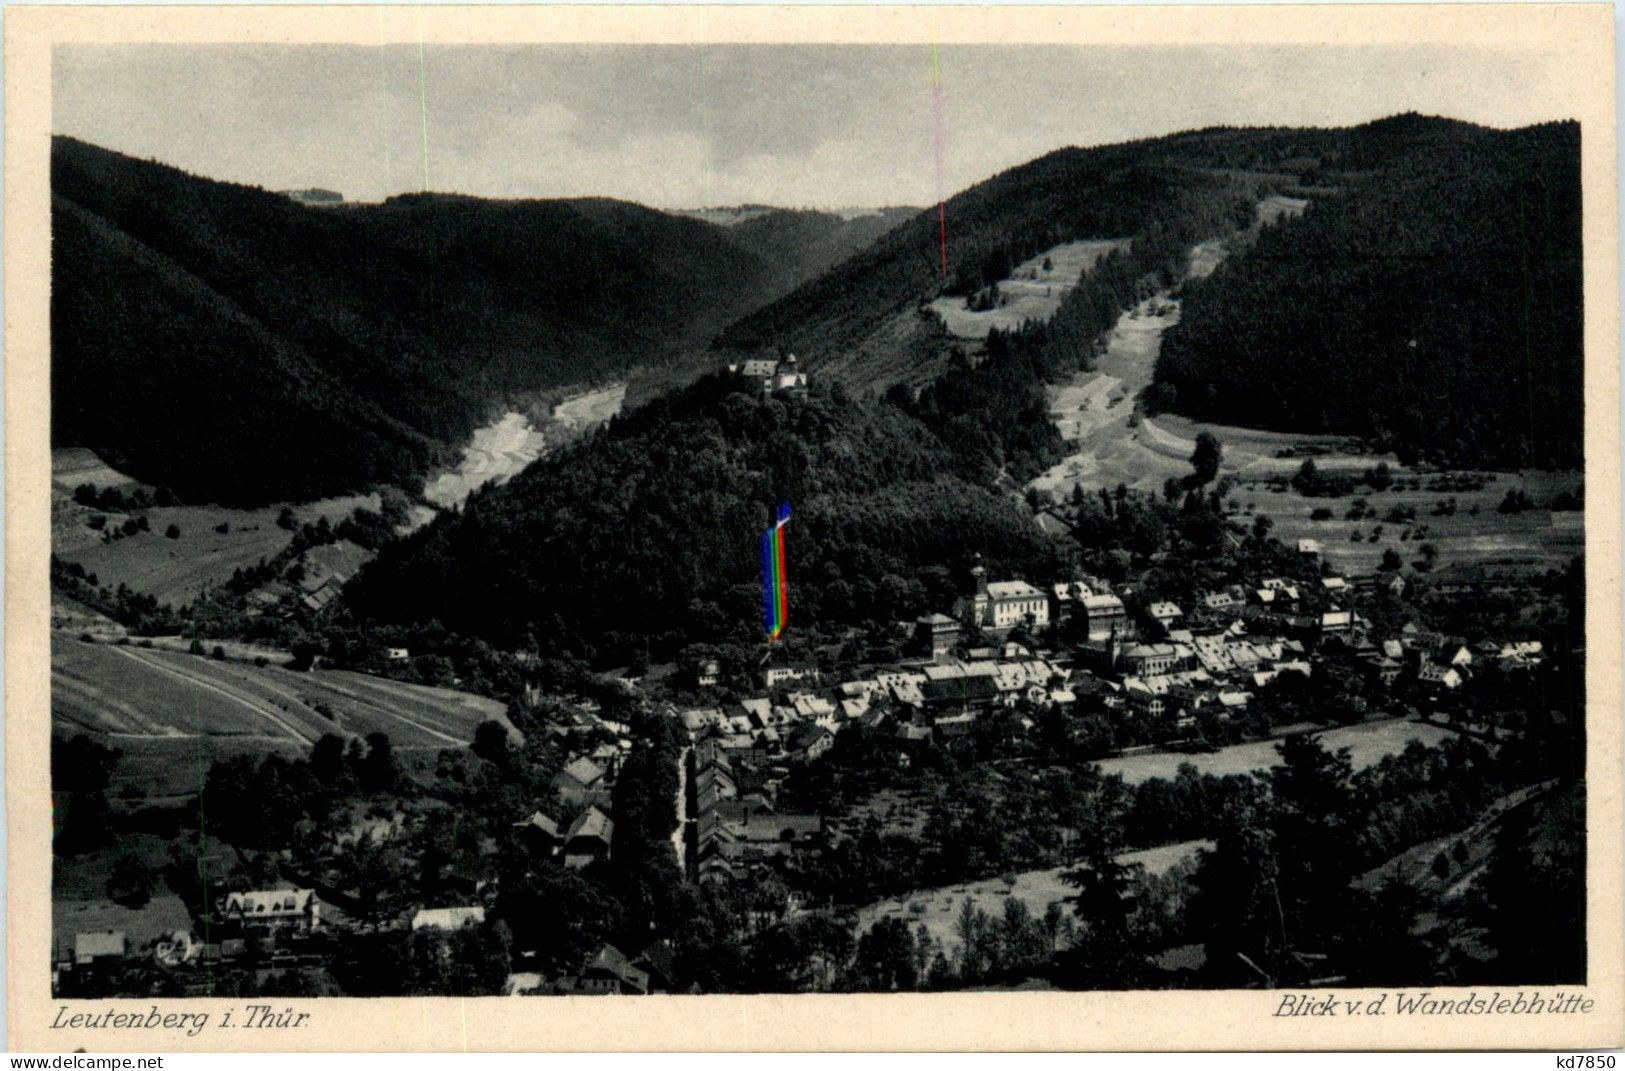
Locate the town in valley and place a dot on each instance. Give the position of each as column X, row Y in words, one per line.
column 1174, row 571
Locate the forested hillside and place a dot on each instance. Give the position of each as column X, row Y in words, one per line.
column 237, row 346
column 1430, row 297
column 645, row 536
column 1433, row 303
column 1118, row 191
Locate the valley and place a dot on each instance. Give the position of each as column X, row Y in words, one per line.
column 1032, row 641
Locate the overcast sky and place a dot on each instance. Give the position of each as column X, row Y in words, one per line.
column 692, row 126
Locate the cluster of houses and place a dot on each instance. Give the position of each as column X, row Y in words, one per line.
column 736, row 827
column 1162, row 661
column 583, row 787
column 1439, row 662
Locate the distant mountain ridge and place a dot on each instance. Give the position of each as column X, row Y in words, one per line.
column 235, row 345
column 1470, row 235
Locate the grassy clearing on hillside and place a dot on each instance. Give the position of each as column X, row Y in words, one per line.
column 1031, row 292
column 495, row 452
column 175, row 571
column 592, row 408
column 72, row 466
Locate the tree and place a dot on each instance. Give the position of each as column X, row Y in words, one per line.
column 173, row 531
column 1262, row 526
column 1307, row 480
column 1236, row 906
column 1391, row 560
column 327, row 758
column 886, row 956
column 491, row 742
column 1205, row 459
column 377, row 771
column 1530, row 899
column 129, row 881
column 81, row 771
column 1315, row 817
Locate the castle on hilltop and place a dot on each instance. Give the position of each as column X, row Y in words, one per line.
column 783, row 374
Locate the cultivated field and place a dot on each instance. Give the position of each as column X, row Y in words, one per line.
column 1031, row 293
column 1534, row 539
column 181, row 710
column 1037, row 888
column 1368, row 745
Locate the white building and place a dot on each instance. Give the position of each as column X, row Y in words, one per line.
column 1006, row 603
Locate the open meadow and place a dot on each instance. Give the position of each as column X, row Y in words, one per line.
column 938, row 909
column 1368, row 745
column 210, row 542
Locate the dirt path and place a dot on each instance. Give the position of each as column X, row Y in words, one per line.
column 679, row 836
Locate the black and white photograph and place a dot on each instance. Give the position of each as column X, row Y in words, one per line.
column 625, row 519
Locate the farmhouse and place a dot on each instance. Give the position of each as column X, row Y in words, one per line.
column 609, row 971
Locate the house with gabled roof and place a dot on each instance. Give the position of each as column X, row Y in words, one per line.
column 540, row 830
column 589, row 838
column 273, row 910
column 610, row 972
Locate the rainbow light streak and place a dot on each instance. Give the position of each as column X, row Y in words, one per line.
column 775, row 584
